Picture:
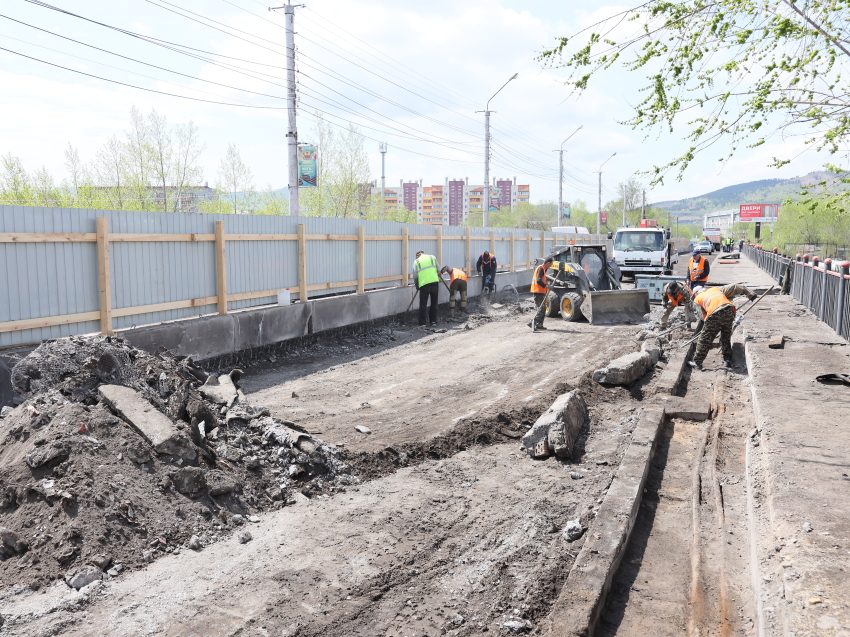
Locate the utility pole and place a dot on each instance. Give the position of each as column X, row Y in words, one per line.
column 561, row 178
column 486, row 193
column 291, row 94
column 624, row 205
column 643, row 205
column 383, row 148
column 599, row 209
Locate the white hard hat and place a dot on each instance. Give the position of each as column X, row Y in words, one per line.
column 698, row 289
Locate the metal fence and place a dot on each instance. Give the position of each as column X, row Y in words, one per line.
column 73, row 271
column 824, row 288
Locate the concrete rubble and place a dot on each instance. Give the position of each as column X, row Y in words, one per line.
column 627, row 369
column 557, row 429
column 149, row 452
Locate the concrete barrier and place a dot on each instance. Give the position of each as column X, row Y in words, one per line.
column 219, row 335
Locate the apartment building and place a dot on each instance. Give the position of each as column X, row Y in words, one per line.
column 450, row 203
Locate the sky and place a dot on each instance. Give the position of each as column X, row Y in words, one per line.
column 410, row 74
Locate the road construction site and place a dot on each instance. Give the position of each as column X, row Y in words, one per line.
column 380, row 482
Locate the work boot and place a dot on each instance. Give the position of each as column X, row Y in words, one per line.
column 541, row 327
column 727, row 363
column 433, row 324
column 695, row 365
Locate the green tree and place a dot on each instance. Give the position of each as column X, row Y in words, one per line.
column 734, row 70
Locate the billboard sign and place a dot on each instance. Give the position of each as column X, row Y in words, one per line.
column 495, row 198
column 761, row 212
column 307, row 170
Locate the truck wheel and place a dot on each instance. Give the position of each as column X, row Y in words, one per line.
column 552, row 308
column 571, row 307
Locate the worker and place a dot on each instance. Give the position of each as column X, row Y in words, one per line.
column 741, row 245
column 676, row 294
column 717, row 314
column 698, row 269
column 487, row 266
column 540, row 289
column 458, row 282
column 427, row 278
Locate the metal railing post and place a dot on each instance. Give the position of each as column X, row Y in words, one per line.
column 822, row 309
column 841, row 308
column 815, row 263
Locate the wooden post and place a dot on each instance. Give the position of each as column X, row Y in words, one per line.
column 512, row 251
column 492, row 242
column 405, row 255
column 440, row 246
column 103, row 274
column 527, row 249
column 468, row 251
column 361, row 259
column 221, row 267
column 302, row 262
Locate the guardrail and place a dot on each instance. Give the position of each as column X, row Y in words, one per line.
column 818, row 285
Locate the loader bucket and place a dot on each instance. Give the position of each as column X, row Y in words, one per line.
column 611, row 307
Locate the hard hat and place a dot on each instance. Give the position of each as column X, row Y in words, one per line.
column 696, row 252
column 698, row 289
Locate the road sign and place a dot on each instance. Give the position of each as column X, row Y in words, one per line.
column 759, row 212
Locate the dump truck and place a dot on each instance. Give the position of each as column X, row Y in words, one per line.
column 587, row 283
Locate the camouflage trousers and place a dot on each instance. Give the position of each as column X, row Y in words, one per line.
column 540, row 302
column 719, row 322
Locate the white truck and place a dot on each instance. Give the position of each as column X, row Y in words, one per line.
column 644, row 251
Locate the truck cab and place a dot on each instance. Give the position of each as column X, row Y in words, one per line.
column 646, row 250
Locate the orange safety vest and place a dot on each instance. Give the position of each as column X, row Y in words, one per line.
column 679, row 299
column 539, row 285
column 697, row 269
column 457, row 274
column 485, row 263
column 711, row 300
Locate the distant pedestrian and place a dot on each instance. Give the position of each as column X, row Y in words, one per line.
column 457, row 286
column 717, row 314
column 540, row 289
column 487, row 266
column 427, row 278
column 740, row 245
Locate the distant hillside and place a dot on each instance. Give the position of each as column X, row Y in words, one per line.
column 761, row 191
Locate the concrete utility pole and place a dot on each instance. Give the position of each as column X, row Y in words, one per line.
column 561, row 178
column 643, row 206
column 599, row 209
column 383, row 148
column 292, row 133
column 486, row 193
column 624, row 205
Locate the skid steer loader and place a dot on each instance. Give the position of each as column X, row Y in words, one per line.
column 587, row 283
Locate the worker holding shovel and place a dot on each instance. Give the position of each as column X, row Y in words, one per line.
column 714, row 307
column 458, row 283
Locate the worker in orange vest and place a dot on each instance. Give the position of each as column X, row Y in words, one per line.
column 458, row 282
column 714, row 307
column 676, row 294
column 540, row 290
column 487, row 266
column 698, row 269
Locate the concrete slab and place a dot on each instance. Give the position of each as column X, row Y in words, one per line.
column 671, row 377
column 686, row 408
column 624, row 370
column 384, row 303
column 151, row 423
column 340, row 311
column 576, row 611
column 557, row 428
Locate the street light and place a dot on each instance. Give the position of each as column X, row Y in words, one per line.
column 486, row 193
column 561, row 177
column 599, row 210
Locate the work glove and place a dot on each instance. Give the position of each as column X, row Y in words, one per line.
column 738, row 320
column 753, row 297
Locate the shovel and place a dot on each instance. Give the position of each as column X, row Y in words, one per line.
column 404, row 316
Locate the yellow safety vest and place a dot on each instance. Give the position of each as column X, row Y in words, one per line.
column 425, row 270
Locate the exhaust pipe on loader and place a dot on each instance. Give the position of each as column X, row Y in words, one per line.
column 616, row 307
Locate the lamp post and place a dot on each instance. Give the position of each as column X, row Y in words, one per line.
column 561, row 177
column 486, row 193
column 599, row 209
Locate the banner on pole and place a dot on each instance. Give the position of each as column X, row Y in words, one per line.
column 603, row 217
column 567, row 211
column 307, row 170
column 495, row 198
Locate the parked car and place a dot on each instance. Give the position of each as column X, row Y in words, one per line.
column 706, row 246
